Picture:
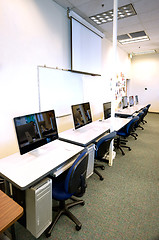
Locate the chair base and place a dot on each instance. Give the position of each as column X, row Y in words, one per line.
column 134, row 135
column 99, row 175
column 63, row 208
column 99, row 165
column 119, row 145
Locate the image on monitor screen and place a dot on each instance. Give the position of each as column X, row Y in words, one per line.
column 131, row 101
column 107, row 110
column 136, row 99
column 124, row 102
column 81, row 114
column 35, row 130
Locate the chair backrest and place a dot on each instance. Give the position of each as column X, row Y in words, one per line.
column 140, row 115
column 130, row 125
column 148, row 106
column 76, row 176
column 102, row 146
column 145, row 110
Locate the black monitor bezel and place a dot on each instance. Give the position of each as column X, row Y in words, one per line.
column 125, row 106
column 75, row 126
column 35, row 145
column 136, row 99
column 129, row 101
column 108, row 108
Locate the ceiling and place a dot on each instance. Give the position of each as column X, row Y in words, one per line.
column 147, row 19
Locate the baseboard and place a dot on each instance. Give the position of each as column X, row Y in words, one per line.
column 153, row 112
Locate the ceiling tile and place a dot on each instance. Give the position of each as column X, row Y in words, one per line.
column 147, row 19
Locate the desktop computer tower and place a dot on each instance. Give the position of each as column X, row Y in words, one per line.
column 90, row 167
column 39, row 207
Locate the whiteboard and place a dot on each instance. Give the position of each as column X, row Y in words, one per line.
column 59, row 89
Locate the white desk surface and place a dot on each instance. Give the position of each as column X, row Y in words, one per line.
column 138, row 107
column 90, row 132
column 117, row 123
column 130, row 110
column 86, row 134
column 25, row 170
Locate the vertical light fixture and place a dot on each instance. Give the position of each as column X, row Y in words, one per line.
column 115, row 15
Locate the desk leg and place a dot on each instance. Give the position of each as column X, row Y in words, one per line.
column 13, row 232
column 111, row 153
column 7, row 188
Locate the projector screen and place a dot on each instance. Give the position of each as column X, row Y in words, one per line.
column 86, row 49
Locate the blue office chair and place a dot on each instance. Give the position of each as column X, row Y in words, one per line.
column 102, row 149
column 127, row 130
column 141, row 116
column 145, row 110
column 73, row 182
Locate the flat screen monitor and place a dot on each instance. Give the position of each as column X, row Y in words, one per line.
column 107, row 110
column 131, row 101
column 35, row 130
column 136, row 99
column 81, row 114
column 124, row 102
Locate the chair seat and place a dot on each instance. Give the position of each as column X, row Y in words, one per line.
column 58, row 191
column 120, row 133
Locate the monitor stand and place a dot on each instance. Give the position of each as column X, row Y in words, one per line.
column 37, row 152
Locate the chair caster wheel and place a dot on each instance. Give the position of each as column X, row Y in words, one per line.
column 78, row 227
column 101, row 178
column 129, row 149
column 48, row 235
column 103, row 168
column 83, row 203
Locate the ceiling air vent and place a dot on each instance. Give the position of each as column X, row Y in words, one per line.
column 137, row 34
column 123, row 37
column 133, row 37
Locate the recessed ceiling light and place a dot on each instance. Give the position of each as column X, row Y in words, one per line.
column 133, row 37
column 144, row 52
column 134, row 40
column 123, row 12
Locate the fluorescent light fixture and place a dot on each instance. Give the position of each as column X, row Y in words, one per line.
column 144, row 52
column 133, row 37
column 123, row 12
column 134, row 40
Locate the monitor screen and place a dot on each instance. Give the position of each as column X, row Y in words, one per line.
column 107, row 110
column 35, row 130
column 124, row 102
column 136, row 99
column 81, row 114
column 131, row 101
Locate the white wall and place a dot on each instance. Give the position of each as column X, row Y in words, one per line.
column 144, row 74
column 37, row 32
column 33, row 32
column 97, row 89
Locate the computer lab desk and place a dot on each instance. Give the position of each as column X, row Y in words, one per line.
column 89, row 133
column 25, row 170
column 129, row 111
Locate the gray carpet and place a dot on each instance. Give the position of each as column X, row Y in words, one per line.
column 125, row 206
